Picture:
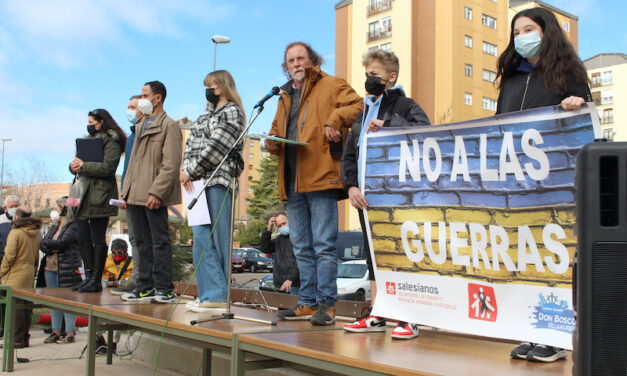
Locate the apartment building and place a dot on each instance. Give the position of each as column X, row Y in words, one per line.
column 608, row 77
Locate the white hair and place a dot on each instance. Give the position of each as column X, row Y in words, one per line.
column 13, row 198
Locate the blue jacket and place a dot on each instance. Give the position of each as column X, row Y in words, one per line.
column 127, row 152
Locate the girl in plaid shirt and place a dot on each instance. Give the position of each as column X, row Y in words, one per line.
column 210, row 139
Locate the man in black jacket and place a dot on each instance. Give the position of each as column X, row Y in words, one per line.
column 387, row 106
column 286, row 275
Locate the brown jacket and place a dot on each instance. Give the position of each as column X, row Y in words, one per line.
column 154, row 164
column 21, row 253
column 325, row 100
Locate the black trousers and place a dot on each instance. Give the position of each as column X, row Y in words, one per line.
column 152, row 240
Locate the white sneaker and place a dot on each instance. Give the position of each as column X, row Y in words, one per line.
column 405, row 331
column 193, row 303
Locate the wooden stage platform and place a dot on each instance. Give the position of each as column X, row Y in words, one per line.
column 298, row 344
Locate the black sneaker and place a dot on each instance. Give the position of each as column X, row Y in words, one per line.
column 123, row 290
column 543, row 353
column 136, row 295
column 52, row 338
column 163, row 297
column 520, row 351
column 325, row 315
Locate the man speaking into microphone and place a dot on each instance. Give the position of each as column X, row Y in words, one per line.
column 314, row 108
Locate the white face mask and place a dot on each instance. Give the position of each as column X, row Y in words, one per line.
column 55, row 216
column 145, row 106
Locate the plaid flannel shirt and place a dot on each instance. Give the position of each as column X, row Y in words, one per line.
column 211, row 136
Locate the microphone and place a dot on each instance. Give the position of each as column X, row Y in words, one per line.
column 275, row 91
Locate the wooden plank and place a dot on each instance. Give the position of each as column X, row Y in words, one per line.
column 432, row 353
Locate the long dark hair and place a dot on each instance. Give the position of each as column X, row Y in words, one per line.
column 557, row 55
column 108, row 123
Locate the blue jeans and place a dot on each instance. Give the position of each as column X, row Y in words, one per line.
column 52, row 280
column 313, row 230
column 213, row 269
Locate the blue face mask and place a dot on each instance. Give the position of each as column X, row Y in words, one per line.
column 528, row 45
column 284, row 231
column 131, row 116
column 11, row 212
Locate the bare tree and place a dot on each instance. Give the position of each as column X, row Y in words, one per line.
column 25, row 179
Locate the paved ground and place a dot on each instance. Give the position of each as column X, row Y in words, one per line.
column 63, row 359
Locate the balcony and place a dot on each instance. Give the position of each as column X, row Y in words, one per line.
column 378, row 7
column 379, row 33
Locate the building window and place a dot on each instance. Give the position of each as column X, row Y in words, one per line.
column 488, row 21
column 250, row 178
column 468, row 99
column 608, row 116
column 373, row 48
column 607, row 97
column 608, row 134
column 251, row 156
column 566, row 26
column 489, row 104
column 250, row 190
column 251, row 144
column 386, row 46
column 606, row 78
column 468, row 70
column 490, row 49
column 468, row 41
column 468, row 13
column 386, row 24
column 489, row 76
column 251, row 167
column 372, row 30
column 596, row 79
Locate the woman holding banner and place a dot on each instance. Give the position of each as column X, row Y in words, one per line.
column 210, row 138
column 540, row 68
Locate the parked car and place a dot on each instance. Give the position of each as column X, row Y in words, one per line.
column 352, row 281
column 350, row 245
column 255, row 260
column 238, row 263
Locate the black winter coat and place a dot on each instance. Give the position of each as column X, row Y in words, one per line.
column 285, row 266
column 513, row 97
column 397, row 111
column 69, row 259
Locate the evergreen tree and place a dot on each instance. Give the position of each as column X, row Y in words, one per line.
column 265, row 200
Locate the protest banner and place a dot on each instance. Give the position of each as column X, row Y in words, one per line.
column 472, row 224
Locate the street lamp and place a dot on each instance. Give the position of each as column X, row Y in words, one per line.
column 218, row 39
column 2, row 173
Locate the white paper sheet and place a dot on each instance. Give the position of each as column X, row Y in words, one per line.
column 199, row 215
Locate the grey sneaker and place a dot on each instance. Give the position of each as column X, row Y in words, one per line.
column 163, row 297
column 543, row 353
column 520, row 351
column 136, row 295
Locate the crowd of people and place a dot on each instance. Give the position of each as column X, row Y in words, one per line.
column 538, row 68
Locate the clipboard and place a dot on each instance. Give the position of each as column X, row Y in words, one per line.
column 276, row 138
column 90, row 149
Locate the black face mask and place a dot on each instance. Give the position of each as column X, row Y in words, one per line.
column 91, row 129
column 375, row 85
column 211, row 96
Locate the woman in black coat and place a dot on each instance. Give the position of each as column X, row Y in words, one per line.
column 540, row 68
column 60, row 267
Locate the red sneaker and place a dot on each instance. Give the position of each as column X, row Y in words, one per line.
column 367, row 323
column 405, row 331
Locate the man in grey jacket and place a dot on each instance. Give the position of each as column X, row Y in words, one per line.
column 149, row 187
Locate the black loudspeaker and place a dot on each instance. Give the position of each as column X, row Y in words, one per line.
column 600, row 266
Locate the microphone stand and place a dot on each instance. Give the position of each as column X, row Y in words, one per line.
column 228, row 315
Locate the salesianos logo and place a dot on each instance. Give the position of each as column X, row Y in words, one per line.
column 390, row 288
column 553, row 313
